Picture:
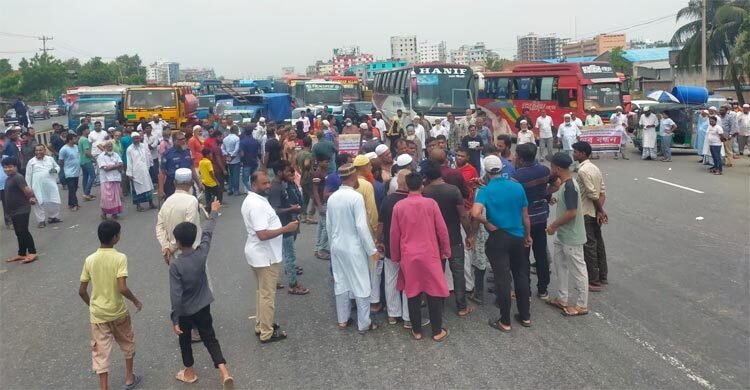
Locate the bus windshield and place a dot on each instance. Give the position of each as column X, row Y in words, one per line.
column 602, row 96
column 352, row 92
column 443, row 93
column 81, row 108
column 163, row 98
column 323, row 94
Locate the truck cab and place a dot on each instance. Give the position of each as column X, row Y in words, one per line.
column 107, row 110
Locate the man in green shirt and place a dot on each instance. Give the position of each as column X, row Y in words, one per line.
column 304, row 167
column 568, row 245
column 87, row 163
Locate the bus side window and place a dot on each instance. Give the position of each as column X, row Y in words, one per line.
column 546, row 87
column 524, row 88
column 501, row 89
column 563, row 97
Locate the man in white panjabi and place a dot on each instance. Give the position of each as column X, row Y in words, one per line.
column 139, row 163
column 648, row 123
column 41, row 175
column 352, row 247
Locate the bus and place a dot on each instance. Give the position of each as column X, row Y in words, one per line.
column 352, row 87
column 431, row 90
column 294, row 87
column 557, row 88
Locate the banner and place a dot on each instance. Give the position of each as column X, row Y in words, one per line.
column 603, row 140
column 349, row 143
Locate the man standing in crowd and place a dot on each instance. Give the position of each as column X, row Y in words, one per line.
column 453, row 212
column 194, row 144
column 304, row 165
column 286, row 200
column 538, row 185
column 319, row 179
column 743, row 128
column 593, row 193
column 41, row 176
column 173, row 159
column 729, row 125
column 180, row 207
column 151, row 140
column 87, row 164
column 70, row 164
column 524, row 116
column 420, row 248
column 473, row 143
column 544, row 125
column 507, row 221
column 139, row 163
column 593, row 119
column 525, row 135
column 568, row 246
column 667, row 128
column 18, row 201
column 366, row 189
column 263, row 250
column 648, row 123
column 351, row 246
column 249, row 155
column 230, row 148
column 568, row 134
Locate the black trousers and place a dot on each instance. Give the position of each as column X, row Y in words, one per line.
column 169, row 187
column 593, row 251
column 6, row 216
column 211, row 193
column 435, row 309
column 541, row 256
column 23, row 235
column 456, row 264
column 506, row 255
column 154, row 171
column 72, row 183
column 204, row 323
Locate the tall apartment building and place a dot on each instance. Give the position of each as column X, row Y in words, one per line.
column 470, row 54
column 596, row 46
column 404, row 47
column 342, row 63
column 432, row 51
column 163, row 73
column 532, row 47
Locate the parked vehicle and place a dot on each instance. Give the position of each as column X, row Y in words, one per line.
column 54, row 110
column 275, row 107
column 39, row 112
column 10, row 118
column 176, row 105
column 105, row 110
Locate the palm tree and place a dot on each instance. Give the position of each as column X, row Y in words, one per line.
column 724, row 18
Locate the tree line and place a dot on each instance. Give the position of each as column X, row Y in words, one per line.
column 44, row 77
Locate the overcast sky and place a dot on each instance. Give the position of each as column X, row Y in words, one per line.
column 256, row 38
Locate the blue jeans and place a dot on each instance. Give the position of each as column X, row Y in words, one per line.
column 89, row 175
column 246, row 172
column 322, row 244
column 666, row 146
column 289, row 256
column 234, row 178
column 716, row 156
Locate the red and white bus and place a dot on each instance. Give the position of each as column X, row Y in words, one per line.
column 352, row 87
column 431, row 90
column 558, row 88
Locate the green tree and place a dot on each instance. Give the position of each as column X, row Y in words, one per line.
column 741, row 51
column 96, row 72
column 495, row 64
column 724, row 18
column 129, row 69
column 42, row 76
column 618, row 61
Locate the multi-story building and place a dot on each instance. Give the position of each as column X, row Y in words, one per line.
column 162, row 73
column 342, row 63
column 324, row 68
column 404, row 47
column 475, row 54
column 532, row 47
column 432, row 51
column 369, row 70
column 596, row 46
column 312, row 70
column 550, row 47
column 197, row 74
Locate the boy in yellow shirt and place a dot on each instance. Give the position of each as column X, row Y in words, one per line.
column 208, row 178
column 107, row 270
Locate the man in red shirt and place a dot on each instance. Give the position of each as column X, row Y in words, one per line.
column 194, row 144
column 471, row 177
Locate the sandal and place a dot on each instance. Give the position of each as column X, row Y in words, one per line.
column 443, row 332
column 499, row 326
column 556, row 303
column 416, row 336
column 465, row 312
column 277, row 335
column 275, row 326
column 392, row 320
column 322, row 255
column 181, row 377
column 373, row 326
column 298, row 290
column 29, row 259
column 574, row 311
column 524, row 323
column 345, row 325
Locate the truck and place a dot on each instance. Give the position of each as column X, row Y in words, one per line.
column 274, row 107
column 107, row 110
column 175, row 104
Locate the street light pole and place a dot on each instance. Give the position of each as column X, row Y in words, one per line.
column 703, row 45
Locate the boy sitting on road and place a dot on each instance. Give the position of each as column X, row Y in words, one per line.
column 191, row 297
column 107, row 270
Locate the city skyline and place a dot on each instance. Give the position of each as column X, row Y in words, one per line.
column 284, row 48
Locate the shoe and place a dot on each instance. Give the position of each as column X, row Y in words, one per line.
column 544, row 296
column 595, row 288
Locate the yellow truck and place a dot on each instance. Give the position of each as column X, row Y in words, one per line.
column 176, row 105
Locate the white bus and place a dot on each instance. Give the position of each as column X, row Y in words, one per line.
column 430, row 90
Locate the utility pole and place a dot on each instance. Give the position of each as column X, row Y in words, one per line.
column 44, row 40
column 703, row 46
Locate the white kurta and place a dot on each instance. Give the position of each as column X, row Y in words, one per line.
column 351, row 242
column 139, row 161
column 649, row 133
column 41, row 181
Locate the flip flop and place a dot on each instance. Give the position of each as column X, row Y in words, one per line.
column 440, row 340
column 416, row 336
column 29, row 259
column 181, row 377
column 574, row 313
column 556, row 303
column 373, row 326
column 496, row 325
column 469, row 310
column 277, row 335
column 136, row 381
column 525, row 324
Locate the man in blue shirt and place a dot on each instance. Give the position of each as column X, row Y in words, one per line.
column 174, row 158
column 249, row 155
column 507, row 221
column 70, row 164
column 539, row 184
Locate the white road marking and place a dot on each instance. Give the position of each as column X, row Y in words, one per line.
column 673, row 361
column 676, row 185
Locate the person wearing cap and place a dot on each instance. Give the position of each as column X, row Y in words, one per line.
column 385, row 164
column 525, row 135
column 380, row 125
column 568, row 133
column 728, row 122
column 419, row 131
column 350, row 127
column 648, row 123
column 370, row 141
column 403, row 162
column 41, row 176
column 570, row 236
column 174, row 158
column 524, row 116
column 419, row 243
column 137, row 170
column 260, row 135
column 576, row 120
column 509, row 227
column 593, row 119
column 13, row 144
column 110, row 164
column 620, row 123
column 544, row 125
column 743, row 128
column 352, row 244
column 181, row 206
column 366, row 188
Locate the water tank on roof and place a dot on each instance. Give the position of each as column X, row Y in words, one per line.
column 690, row 95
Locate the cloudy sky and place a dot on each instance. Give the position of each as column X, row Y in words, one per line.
column 258, row 37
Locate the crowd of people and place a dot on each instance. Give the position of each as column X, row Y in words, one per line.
column 414, row 216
